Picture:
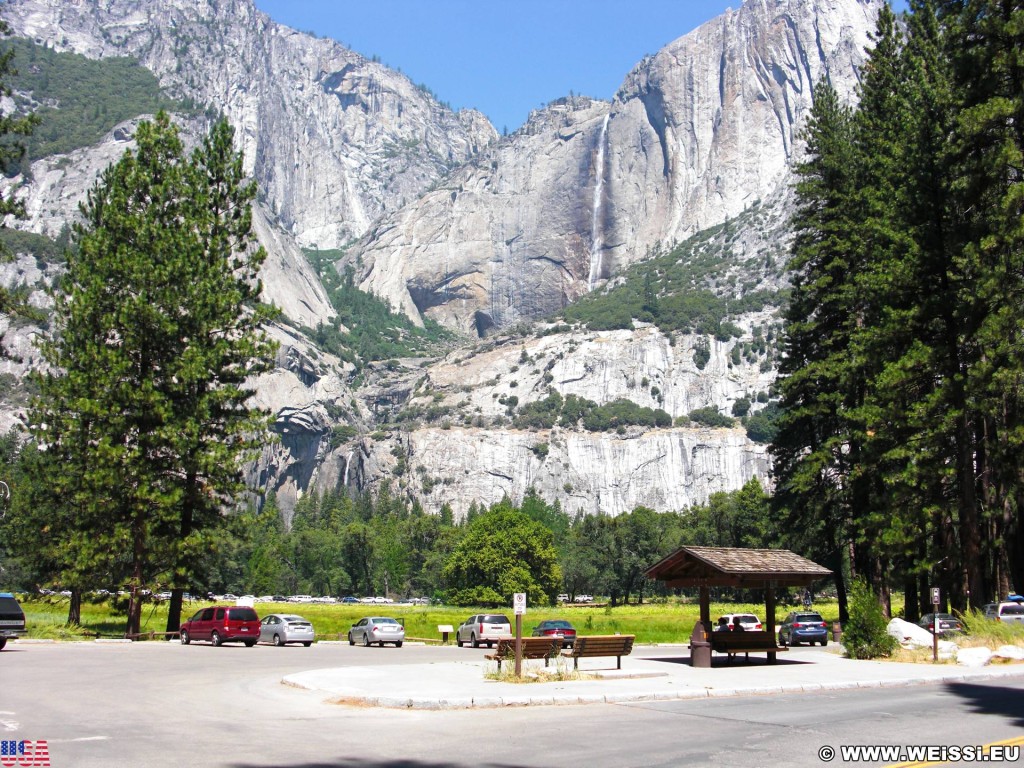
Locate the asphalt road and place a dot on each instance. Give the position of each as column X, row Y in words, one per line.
column 150, row 705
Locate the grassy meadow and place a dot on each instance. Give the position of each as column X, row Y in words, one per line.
column 662, row 622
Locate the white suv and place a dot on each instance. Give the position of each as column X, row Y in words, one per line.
column 483, row 628
column 748, row 621
column 1010, row 611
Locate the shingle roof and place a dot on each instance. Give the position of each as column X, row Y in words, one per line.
column 729, row 566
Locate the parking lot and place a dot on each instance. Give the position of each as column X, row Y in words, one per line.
column 153, row 704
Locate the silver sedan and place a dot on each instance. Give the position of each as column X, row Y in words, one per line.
column 282, row 628
column 377, row 629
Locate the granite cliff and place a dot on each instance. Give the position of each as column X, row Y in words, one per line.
column 481, row 234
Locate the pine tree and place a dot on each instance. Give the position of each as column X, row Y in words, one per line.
column 157, row 330
column 11, row 154
column 812, row 458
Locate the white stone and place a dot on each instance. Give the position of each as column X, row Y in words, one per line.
column 909, row 635
column 1014, row 652
column 973, row 657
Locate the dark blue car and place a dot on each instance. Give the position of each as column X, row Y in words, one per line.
column 803, row 627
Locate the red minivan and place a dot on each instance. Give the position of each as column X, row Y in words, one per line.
column 222, row 624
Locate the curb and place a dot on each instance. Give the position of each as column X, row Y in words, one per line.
column 499, row 702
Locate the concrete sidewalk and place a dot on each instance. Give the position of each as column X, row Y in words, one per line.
column 651, row 673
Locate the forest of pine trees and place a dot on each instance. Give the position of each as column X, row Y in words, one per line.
column 899, row 450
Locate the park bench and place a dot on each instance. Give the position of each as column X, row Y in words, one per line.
column 746, row 643
column 600, row 645
column 532, row 648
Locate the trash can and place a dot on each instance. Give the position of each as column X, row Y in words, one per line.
column 837, row 632
column 700, row 647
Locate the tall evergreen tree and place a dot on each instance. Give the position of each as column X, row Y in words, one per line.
column 812, row 449
column 12, row 125
column 157, row 329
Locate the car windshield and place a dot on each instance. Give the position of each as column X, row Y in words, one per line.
column 243, row 614
column 559, row 624
column 809, row 617
column 495, row 619
column 385, row 621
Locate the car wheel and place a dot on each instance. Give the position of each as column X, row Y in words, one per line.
column 215, row 639
column 824, row 642
column 366, row 640
column 278, row 641
column 793, row 642
column 782, row 640
column 250, row 643
column 473, row 641
column 458, row 641
column 398, row 644
column 185, row 639
column 307, row 644
column 351, row 641
column 3, row 642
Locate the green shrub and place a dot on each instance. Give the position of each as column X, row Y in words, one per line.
column 764, row 425
column 865, row 635
column 710, row 417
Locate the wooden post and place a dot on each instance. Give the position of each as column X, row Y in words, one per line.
column 769, row 616
column 519, row 645
column 705, row 607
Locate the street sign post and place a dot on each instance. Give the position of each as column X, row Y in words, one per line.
column 519, row 608
column 936, row 600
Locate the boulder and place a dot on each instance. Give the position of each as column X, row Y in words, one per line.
column 1014, row 652
column 909, row 635
column 973, row 657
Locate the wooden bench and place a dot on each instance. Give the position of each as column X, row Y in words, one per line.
column 532, row 648
column 600, row 645
column 746, row 643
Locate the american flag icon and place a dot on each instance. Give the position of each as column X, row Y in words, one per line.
column 24, row 753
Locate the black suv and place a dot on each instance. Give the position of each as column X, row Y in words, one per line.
column 12, row 618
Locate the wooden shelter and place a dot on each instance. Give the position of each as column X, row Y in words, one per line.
column 706, row 567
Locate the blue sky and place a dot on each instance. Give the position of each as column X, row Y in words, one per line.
column 503, row 58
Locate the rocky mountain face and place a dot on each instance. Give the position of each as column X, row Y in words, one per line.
column 480, row 234
column 334, row 139
column 695, row 135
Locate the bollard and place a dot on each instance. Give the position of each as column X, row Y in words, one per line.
column 837, row 632
column 700, row 647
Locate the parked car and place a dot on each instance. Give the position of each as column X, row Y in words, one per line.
column 12, row 619
column 377, row 629
column 563, row 598
column 748, row 621
column 1009, row 611
column 584, row 598
column 803, row 626
column 283, row 628
column 483, row 628
column 349, row 600
column 947, row 623
column 222, row 624
column 553, row 627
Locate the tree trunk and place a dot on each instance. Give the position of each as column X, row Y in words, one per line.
column 75, row 608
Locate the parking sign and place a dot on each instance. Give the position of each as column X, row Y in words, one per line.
column 519, row 603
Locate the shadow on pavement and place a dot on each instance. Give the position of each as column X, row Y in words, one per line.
column 351, row 762
column 722, row 662
column 991, row 700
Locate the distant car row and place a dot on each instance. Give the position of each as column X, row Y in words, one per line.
column 564, row 598
column 219, row 624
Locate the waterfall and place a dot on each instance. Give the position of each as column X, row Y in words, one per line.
column 348, row 462
column 595, row 217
